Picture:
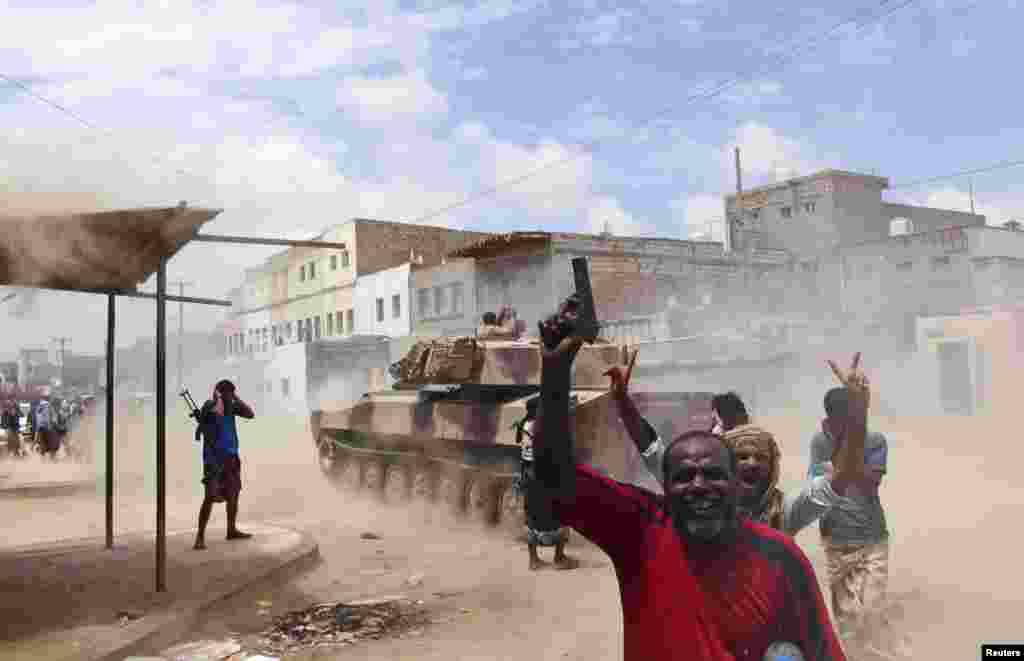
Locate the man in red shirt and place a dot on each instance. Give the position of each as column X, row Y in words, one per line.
column 697, row 581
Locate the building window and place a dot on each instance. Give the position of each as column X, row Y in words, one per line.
column 302, row 273
column 269, row 388
column 340, row 323
column 423, row 302
column 438, row 301
column 285, row 389
column 380, row 309
column 312, row 270
column 350, row 321
column 316, row 325
column 330, row 323
column 396, row 306
column 786, row 212
column 941, row 263
column 334, row 262
column 344, row 259
column 809, row 207
column 457, row 298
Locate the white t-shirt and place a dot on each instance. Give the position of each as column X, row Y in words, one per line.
column 527, row 449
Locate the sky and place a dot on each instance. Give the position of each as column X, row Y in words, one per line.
column 293, row 117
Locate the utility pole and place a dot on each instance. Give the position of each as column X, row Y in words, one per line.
column 181, row 332
column 61, row 341
column 737, row 218
column 970, row 183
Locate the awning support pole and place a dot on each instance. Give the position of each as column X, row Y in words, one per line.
column 161, row 428
column 111, row 306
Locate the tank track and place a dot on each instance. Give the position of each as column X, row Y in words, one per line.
column 486, row 496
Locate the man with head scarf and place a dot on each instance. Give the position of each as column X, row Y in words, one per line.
column 758, row 462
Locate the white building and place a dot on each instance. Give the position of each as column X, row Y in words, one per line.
column 381, row 302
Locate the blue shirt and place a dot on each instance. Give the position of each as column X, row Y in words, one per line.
column 227, row 434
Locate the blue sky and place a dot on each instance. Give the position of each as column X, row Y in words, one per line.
column 294, row 117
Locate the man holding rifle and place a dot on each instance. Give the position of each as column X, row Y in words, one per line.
column 222, row 467
column 697, row 580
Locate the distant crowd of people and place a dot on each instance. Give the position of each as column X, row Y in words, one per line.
column 44, row 427
column 709, row 569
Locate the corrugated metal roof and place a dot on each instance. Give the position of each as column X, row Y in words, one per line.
column 499, row 243
column 107, row 250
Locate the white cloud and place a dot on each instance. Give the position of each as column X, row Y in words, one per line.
column 606, row 213
column 398, row 98
column 702, row 216
column 183, row 107
column 765, row 155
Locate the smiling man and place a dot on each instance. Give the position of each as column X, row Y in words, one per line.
column 697, row 580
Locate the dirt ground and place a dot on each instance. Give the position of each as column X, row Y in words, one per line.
column 951, row 498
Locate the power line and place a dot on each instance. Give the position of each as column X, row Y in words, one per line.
column 693, row 98
column 1002, row 165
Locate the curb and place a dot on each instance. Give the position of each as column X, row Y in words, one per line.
column 46, row 489
column 163, row 628
column 166, row 629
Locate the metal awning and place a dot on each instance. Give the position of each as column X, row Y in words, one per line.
column 94, row 252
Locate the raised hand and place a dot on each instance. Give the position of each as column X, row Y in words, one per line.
column 558, row 333
column 619, row 379
column 855, row 382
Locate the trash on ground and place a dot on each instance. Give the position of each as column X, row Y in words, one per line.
column 126, row 617
column 340, row 623
column 369, row 535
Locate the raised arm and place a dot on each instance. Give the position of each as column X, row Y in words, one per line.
column 608, row 513
column 647, row 443
column 243, row 410
column 849, row 459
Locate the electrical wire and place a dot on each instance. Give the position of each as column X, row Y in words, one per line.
column 693, row 98
column 1002, row 165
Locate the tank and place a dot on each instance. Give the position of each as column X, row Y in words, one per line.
column 444, row 432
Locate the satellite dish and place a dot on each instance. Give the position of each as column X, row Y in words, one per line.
column 900, row 227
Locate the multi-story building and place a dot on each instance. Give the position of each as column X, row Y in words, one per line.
column 888, row 283
column 813, row 215
column 632, row 278
column 305, row 294
column 381, row 302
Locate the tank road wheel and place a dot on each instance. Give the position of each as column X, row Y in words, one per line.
column 481, row 502
column 452, row 494
column 351, row 476
column 397, row 484
column 511, row 509
column 329, row 456
column 373, row 476
column 423, row 491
